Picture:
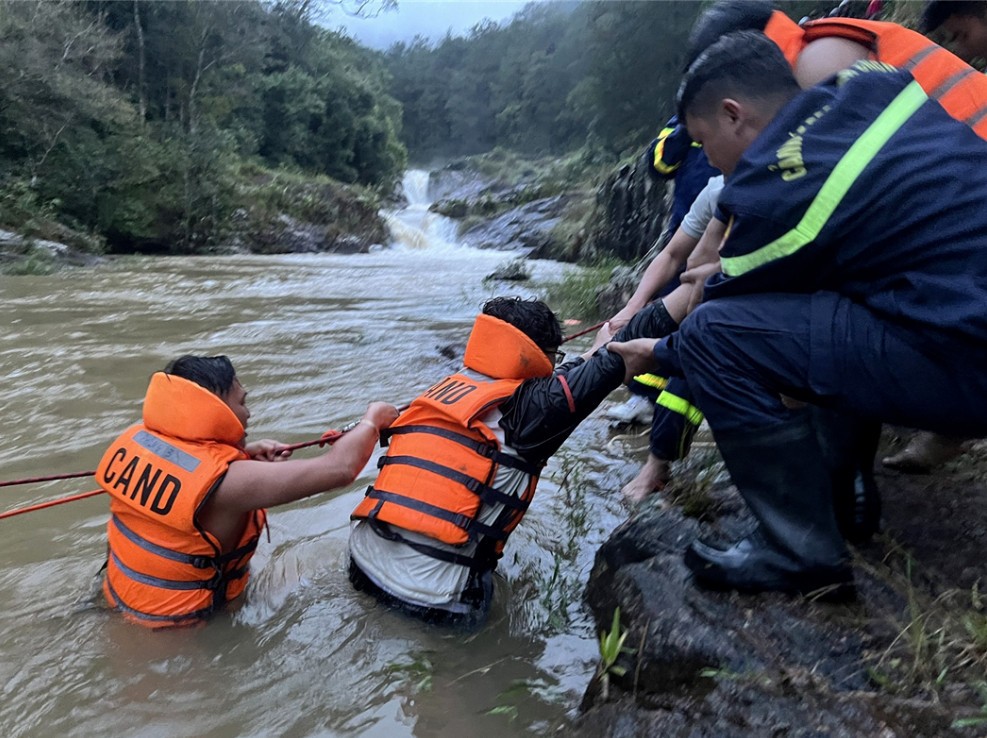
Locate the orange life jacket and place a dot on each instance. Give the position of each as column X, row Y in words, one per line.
column 163, row 568
column 442, row 460
column 946, row 78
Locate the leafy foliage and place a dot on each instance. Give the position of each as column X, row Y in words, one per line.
column 128, row 119
column 555, row 77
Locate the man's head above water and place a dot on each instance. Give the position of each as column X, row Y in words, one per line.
column 216, row 374
column 532, row 317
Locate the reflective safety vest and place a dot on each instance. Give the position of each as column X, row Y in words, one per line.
column 163, row 568
column 946, row 78
column 442, row 460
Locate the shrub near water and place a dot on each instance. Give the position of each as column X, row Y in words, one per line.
column 574, row 296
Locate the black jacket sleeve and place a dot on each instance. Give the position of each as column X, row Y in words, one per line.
column 543, row 412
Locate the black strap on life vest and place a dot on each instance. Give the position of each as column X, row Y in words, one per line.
column 481, row 561
column 485, row 450
column 484, row 491
column 179, row 584
column 199, row 562
column 473, row 528
column 173, row 619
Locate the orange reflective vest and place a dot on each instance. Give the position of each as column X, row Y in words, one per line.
column 946, row 78
column 442, row 460
column 163, row 568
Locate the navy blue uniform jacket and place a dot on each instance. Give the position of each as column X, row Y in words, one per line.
column 864, row 187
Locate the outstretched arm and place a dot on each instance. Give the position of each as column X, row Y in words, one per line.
column 542, row 413
column 703, row 263
column 250, row 485
column 660, row 272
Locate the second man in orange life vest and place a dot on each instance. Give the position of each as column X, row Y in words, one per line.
column 187, row 495
column 463, row 460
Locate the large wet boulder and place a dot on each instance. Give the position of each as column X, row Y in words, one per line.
column 901, row 660
column 527, row 227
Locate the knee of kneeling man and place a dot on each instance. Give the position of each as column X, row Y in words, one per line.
column 700, row 329
column 701, row 321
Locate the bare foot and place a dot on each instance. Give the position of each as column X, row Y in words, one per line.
column 924, row 452
column 652, row 478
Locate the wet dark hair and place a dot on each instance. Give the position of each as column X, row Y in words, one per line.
column 532, row 317
column 743, row 64
column 726, row 17
column 937, row 12
column 215, row 373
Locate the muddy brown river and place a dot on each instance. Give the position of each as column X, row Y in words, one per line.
column 314, row 338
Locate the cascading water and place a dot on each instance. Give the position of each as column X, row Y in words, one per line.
column 415, row 226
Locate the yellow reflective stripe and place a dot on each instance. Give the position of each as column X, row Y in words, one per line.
column 651, row 380
column 834, row 189
column 660, row 166
column 678, row 405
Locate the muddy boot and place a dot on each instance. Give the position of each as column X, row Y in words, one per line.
column 849, row 445
column 797, row 547
column 924, row 453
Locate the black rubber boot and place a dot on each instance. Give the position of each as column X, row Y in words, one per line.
column 849, row 445
column 797, row 546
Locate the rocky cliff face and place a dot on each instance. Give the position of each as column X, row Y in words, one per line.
column 630, row 213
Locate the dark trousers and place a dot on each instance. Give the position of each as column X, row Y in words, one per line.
column 739, row 354
column 675, row 420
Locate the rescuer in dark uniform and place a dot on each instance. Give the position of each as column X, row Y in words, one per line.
column 854, row 269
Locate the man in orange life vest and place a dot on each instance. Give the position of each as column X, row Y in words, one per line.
column 463, row 460
column 187, row 495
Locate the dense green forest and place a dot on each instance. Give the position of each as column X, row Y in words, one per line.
column 135, row 120
column 557, row 77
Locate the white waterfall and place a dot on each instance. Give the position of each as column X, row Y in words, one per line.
column 414, row 226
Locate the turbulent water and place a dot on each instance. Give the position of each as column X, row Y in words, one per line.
column 314, row 338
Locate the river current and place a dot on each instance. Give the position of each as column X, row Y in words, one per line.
column 314, row 338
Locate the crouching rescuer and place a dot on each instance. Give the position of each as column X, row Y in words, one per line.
column 463, row 461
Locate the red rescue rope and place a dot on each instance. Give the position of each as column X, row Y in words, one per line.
column 50, row 503
column 329, row 437
column 585, row 331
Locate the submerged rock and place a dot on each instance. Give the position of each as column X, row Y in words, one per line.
column 512, row 271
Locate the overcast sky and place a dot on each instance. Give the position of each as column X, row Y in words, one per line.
column 429, row 18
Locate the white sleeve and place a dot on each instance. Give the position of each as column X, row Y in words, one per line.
column 703, row 208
